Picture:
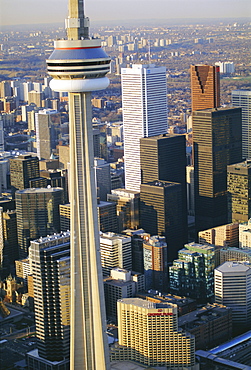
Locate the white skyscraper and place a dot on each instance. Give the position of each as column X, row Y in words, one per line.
column 232, row 282
column 144, row 100
column 242, row 98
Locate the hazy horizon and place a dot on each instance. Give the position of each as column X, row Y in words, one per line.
column 18, row 12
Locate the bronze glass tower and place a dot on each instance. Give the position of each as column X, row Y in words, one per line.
column 79, row 65
column 205, row 87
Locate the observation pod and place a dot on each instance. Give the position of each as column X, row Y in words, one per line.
column 78, row 66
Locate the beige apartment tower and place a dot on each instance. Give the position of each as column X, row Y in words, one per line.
column 148, row 334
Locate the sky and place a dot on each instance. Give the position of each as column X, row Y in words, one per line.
column 14, row 12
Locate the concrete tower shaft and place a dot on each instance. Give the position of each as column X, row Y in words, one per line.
column 78, row 66
column 77, row 25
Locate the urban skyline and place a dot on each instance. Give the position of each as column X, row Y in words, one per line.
column 117, row 10
column 155, row 326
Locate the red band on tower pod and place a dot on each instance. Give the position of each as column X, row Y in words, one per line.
column 88, row 47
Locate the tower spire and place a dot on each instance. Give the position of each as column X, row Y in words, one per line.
column 77, row 25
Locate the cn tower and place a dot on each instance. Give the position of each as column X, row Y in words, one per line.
column 78, row 66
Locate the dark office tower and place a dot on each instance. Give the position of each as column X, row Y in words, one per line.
column 56, row 179
column 239, row 191
column 107, row 217
column 22, row 169
column 205, row 87
column 37, row 215
column 137, row 239
column 217, row 143
column 50, row 265
column 163, row 158
column 161, row 213
column 127, row 205
column 9, row 233
column 65, row 216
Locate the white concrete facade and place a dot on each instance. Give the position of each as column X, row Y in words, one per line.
column 144, row 102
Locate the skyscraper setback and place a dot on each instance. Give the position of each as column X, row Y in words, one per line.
column 79, row 65
column 144, row 100
column 205, row 87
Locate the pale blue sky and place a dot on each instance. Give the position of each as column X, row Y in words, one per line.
column 48, row 11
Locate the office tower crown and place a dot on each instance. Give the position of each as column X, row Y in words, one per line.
column 205, row 86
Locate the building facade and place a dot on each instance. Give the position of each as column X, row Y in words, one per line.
column 50, row 268
column 37, row 215
column 192, row 274
column 163, row 158
column 121, row 284
column 242, row 98
column 22, row 169
column 47, row 123
column 148, row 334
column 217, row 143
column 127, row 205
column 232, row 283
column 144, row 101
column 155, row 263
column 239, row 191
column 115, row 252
column 224, row 236
column 205, row 87
column 161, row 212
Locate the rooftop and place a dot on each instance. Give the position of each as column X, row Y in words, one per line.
column 146, row 304
column 232, row 267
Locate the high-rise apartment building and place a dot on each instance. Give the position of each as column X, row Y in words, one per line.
column 47, row 123
column 50, row 268
column 163, row 158
column 35, row 97
column 155, row 263
column 242, row 98
column 239, row 191
column 144, row 101
column 245, row 235
column 232, row 283
column 161, row 213
column 37, row 215
column 235, row 255
column 192, row 274
column 224, row 236
column 205, row 87
column 148, row 334
column 22, row 169
column 217, row 143
column 115, row 250
column 127, row 205
column 121, row 284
